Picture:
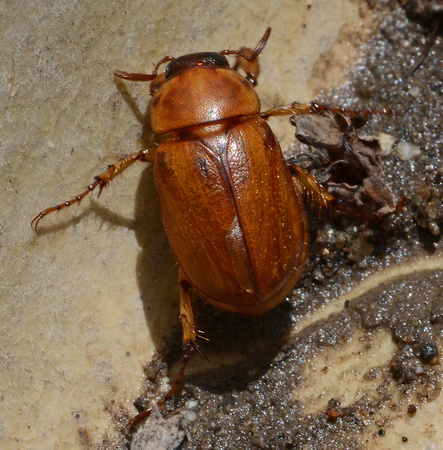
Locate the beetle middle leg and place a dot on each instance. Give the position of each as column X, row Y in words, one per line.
column 314, row 108
column 190, row 334
column 101, row 181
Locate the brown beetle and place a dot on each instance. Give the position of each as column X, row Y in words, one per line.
column 231, row 205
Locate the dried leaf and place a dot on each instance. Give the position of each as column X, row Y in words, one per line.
column 347, row 165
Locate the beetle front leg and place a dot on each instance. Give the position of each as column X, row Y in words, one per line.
column 101, row 181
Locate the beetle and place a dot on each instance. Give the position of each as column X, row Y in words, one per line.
column 232, row 206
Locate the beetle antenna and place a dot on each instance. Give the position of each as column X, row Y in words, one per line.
column 246, row 53
column 247, row 58
column 261, row 44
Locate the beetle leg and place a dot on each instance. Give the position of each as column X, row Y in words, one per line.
column 143, row 76
column 147, row 412
column 190, row 335
column 186, row 313
column 314, row 108
column 425, row 52
column 308, row 184
column 101, row 181
column 315, row 193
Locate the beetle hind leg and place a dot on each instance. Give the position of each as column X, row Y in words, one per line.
column 318, row 196
column 315, row 193
column 190, row 335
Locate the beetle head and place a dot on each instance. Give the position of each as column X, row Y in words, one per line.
column 203, row 59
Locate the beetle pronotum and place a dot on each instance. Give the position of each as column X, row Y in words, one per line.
column 231, row 205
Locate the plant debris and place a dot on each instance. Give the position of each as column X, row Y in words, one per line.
column 348, row 166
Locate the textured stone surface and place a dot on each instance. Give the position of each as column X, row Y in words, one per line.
column 86, row 300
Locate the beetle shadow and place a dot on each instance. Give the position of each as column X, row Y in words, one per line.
column 147, row 136
column 240, row 349
column 157, row 274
